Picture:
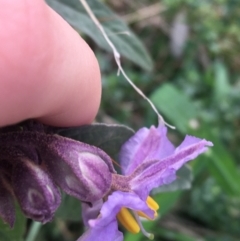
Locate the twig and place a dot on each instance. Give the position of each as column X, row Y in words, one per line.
column 144, row 13
column 118, row 62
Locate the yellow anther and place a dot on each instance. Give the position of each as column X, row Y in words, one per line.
column 152, row 204
column 141, row 214
column 128, row 221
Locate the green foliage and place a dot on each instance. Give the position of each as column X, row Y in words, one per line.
column 199, row 94
column 15, row 234
column 224, row 209
column 180, row 111
column 176, row 106
column 127, row 44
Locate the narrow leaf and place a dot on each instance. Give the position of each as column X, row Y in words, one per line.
column 175, row 105
column 222, row 85
column 128, row 45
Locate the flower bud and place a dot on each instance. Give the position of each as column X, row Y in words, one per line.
column 35, row 191
column 81, row 170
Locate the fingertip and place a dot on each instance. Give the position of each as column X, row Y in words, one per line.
column 78, row 84
column 49, row 72
column 79, row 101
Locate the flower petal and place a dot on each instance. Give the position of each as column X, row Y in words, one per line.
column 145, row 145
column 36, row 193
column 91, row 211
column 7, row 209
column 108, row 233
column 100, row 227
column 115, row 202
column 156, row 173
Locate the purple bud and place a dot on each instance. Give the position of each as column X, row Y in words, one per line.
column 7, row 209
column 81, row 170
column 35, row 191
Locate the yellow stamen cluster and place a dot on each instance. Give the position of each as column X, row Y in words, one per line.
column 129, row 222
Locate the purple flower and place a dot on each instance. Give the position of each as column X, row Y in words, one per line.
column 148, row 160
column 35, row 164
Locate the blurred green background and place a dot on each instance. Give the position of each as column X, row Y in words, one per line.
column 195, row 84
column 190, row 69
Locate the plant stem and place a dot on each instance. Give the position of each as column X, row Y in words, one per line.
column 34, row 229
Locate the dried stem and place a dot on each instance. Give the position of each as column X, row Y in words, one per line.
column 118, row 62
column 144, row 13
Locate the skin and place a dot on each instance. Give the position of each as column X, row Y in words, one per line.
column 47, row 71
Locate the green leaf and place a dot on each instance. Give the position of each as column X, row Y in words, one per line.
column 107, row 137
column 128, row 46
column 175, row 105
column 183, row 181
column 221, row 163
column 222, row 86
column 167, row 201
column 167, row 234
column 70, row 209
column 15, row 234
